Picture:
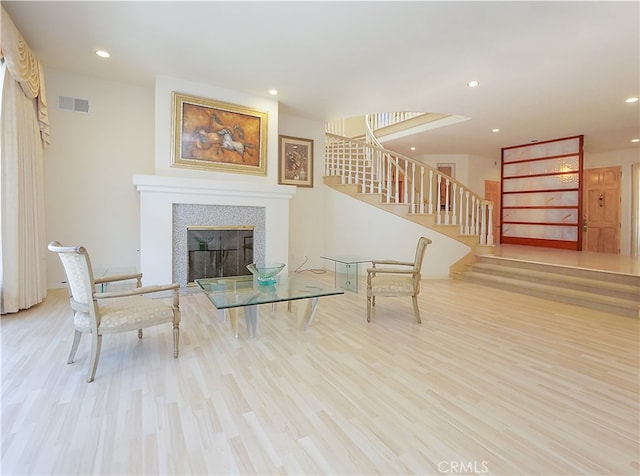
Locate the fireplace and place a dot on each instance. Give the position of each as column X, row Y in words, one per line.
column 168, row 205
column 201, row 245
column 218, row 251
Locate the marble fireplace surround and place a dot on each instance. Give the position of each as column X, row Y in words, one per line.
column 185, row 215
column 214, row 199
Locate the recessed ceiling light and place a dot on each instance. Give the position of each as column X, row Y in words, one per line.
column 473, row 84
column 631, row 100
column 635, row 140
column 413, row 148
column 495, row 130
column 273, row 92
column 103, row 54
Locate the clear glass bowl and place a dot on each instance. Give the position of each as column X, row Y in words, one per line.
column 266, row 274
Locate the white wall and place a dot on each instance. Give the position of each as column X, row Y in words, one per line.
column 89, row 196
column 481, row 169
column 307, row 222
column 356, row 228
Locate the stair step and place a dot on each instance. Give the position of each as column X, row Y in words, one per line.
column 614, row 305
column 561, row 269
column 616, row 293
column 593, row 285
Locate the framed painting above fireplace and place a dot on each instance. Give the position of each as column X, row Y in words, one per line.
column 218, row 136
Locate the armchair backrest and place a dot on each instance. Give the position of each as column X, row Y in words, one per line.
column 79, row 274
column 420, row 249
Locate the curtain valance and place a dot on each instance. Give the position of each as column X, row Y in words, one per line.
column 26, row 69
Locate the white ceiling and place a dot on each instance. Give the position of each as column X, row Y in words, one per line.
column 546, row 69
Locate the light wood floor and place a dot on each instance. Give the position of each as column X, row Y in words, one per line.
column 491, row 383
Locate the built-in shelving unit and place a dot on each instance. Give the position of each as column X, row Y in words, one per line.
column 541, row 193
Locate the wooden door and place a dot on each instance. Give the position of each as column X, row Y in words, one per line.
column 492, row 192
column 601, row 210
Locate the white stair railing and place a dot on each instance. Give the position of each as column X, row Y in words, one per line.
column 402, row 180
column 337, row 126
column 384, row 119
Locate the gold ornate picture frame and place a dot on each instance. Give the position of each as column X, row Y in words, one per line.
column 213, row 135
column 295, row 166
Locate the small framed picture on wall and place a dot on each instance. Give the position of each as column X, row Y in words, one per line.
column 295, row 161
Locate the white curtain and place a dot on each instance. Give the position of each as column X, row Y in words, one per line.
column 24, row 132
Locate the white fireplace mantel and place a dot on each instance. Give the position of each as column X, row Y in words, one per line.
column 190, row 186
column 158, row 194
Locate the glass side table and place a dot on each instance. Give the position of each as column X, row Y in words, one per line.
column 347, row 270
column 122, row 285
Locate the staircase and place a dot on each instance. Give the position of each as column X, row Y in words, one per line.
column 410, row 189
column 602, row 290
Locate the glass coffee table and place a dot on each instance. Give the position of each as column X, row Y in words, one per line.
column 231, row 293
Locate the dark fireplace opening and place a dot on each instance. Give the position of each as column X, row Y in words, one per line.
column 218, row 251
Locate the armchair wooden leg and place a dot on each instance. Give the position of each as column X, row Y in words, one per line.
column 368, row 308
column 139, row 333
column 74, row 346
column 96, row 344
column 416, row 310
column 176, row 340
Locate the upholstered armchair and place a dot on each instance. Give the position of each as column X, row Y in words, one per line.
column 99, row 313
column 396, row 278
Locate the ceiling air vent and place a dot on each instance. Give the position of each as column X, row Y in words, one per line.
column 73, row 104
